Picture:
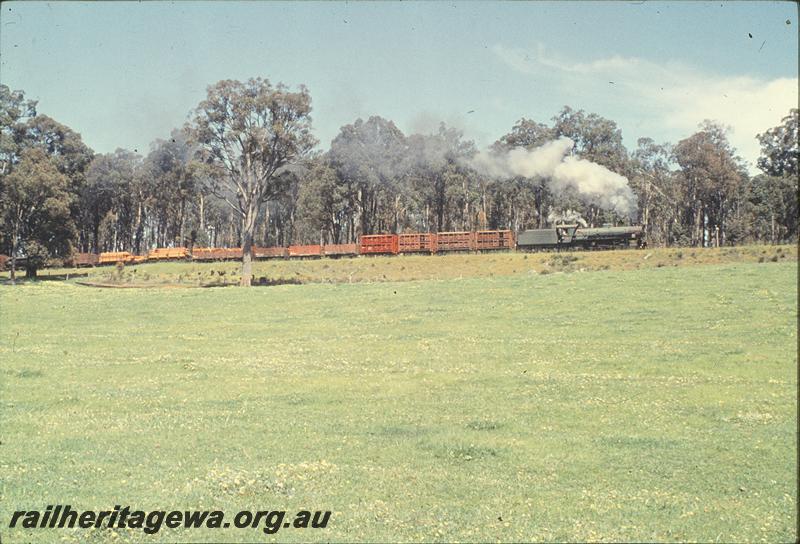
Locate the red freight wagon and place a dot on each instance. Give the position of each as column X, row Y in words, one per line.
column 305, row 251
column 216, row 253
column 269, row 252
column 455, row 241
column 340, row 249
column 494, row 239
column 417, row 243
column 375, row 244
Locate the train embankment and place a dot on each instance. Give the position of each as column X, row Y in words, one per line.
column 414, row 267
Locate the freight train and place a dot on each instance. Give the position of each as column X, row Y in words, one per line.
column 559, row 237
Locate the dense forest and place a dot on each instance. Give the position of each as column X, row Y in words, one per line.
column 247, row 170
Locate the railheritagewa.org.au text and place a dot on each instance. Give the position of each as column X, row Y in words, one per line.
column 64, row 516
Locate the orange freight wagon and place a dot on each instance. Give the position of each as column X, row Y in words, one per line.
column 201, row 254
column 494, row 239
column 228, row 253
column 375, row 244
column 417, row 243
column 334, row 250
column 111, row 257
column 455, row 241
column 305, row 251
column 270, row 252
column 162, row 253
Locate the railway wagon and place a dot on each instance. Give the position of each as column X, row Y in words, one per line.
column 379, row 244
column 417, row 242
column 270, row 252
column 167, row 254
column 216, row 253
column 305, row 251
column 493, row 239
column 113, row 257
column 455, row 241
column 340, row 250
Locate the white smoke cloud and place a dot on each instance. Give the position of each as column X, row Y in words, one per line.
column 597, row 184
column 539, row 162
column 551, row 162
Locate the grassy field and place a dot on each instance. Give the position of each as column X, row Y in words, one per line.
column 495, row 403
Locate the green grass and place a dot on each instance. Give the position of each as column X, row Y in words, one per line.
column 639, row 405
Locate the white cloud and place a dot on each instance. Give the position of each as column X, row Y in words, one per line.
column 675, row 95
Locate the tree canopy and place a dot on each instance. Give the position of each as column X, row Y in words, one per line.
column 245, row 171
column 36, row 210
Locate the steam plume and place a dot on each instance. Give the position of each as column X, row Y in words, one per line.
column 567, row 216
column 595, row 183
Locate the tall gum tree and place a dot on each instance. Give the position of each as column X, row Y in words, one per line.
column 251, row 131
column 35, row 211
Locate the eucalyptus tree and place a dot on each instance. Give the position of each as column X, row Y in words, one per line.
column 657, row 187
column 368, row 158
column 323, row 204
column 172, row 177
column 252, row 130
column 15, row 110
column 780, row 147
column 713, row 178
column 778, row 188
column 443, row 187
column 35, row 211
column 109, row 200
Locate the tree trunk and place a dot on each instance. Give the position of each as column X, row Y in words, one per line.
column 14, row 253
column 181, row 218
column 266, row 226
column 96, row 235
column 248, row 230
column 772, row 228
column 697, row 232
column 137, row 245
column 358, row 222
column 202, row 213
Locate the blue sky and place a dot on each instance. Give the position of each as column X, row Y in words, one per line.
column 123, row 74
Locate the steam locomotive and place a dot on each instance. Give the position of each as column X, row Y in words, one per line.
column 575, row 236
